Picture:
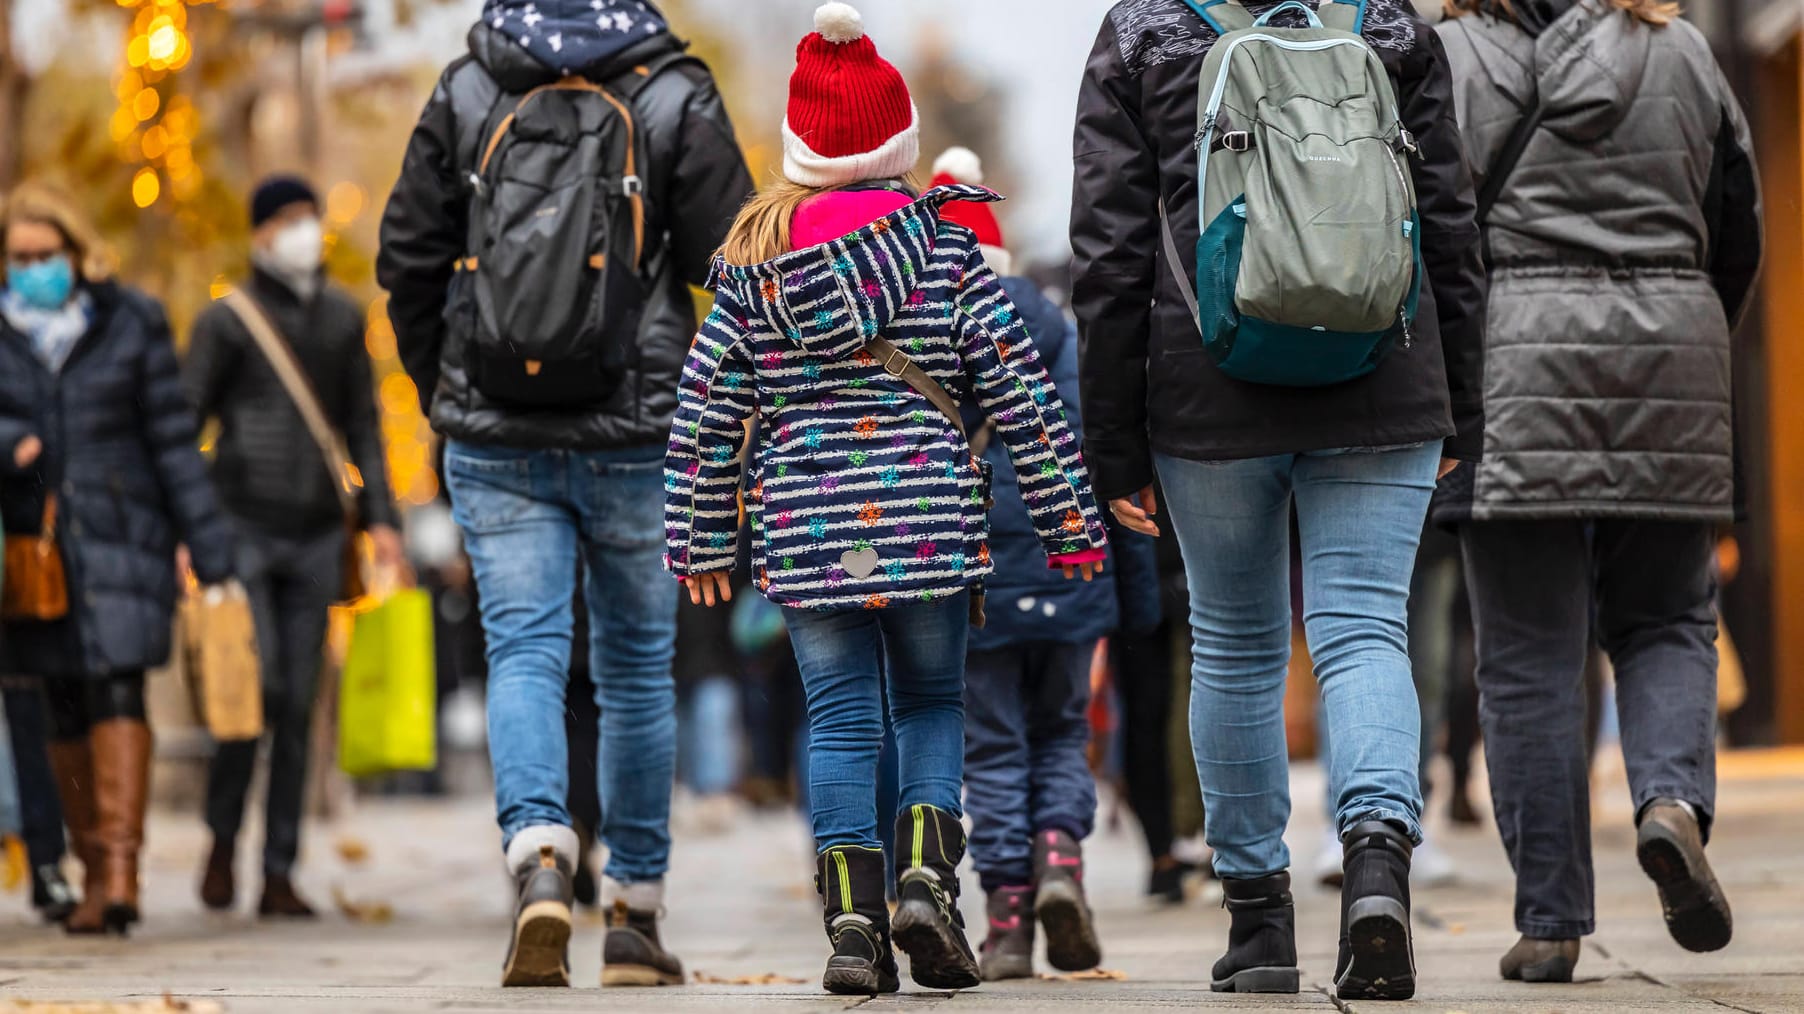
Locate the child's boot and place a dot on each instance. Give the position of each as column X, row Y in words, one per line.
column 850, row 880
column 1008, row 952
column 1377, row 961
column 1059, row 902
column 1262, row 937
column 927, row 925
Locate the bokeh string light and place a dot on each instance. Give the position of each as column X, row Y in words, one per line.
column 155, row 125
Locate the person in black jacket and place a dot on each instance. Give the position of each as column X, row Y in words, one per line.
column 276, row 484
column 1231, row 455
column 100, row 444
column 532, row 488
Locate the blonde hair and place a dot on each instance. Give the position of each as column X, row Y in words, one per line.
column 1658, row 13
column 41, row 203
column 762, row 230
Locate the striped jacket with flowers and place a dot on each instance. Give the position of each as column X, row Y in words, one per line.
column 862, row 492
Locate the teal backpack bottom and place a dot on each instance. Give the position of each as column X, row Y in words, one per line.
column 1288, row 355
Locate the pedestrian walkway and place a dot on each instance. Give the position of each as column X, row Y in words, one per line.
column 426, row 881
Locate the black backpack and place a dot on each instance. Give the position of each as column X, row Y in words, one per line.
column 555, row 272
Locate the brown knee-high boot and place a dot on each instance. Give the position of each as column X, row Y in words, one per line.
column 73, row 763
column 121, row 791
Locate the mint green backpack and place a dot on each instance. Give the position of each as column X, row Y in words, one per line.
column 1309, row 267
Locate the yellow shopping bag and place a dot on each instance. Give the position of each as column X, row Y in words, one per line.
column 388, row 691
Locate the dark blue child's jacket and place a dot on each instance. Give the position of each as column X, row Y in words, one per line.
column 864, row 494
column 1028, row 601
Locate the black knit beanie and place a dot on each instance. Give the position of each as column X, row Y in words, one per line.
column 276, row 193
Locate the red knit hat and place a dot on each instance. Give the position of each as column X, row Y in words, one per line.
column 961, row 165
column 850, row 116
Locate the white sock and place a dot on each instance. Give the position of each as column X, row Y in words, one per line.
column 1688, row 808
column 645, row 896
column 524, row 849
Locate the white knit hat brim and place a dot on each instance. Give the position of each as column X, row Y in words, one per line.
column 1000, row 261
column 895, row 157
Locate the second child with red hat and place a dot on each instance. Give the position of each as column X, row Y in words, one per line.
column 857, row 322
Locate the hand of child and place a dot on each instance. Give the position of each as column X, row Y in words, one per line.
column 709, row 589
column 1088, row 570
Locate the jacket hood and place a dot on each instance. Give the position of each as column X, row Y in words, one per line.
column 1589, row 64
column 832, row 299
column 523, row 43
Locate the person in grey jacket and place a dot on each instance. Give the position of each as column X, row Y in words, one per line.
column 1622, row 249
column 277, row 486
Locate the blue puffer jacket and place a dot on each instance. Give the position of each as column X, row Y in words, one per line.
column 864, row 494
column 120, row 451
column 1028, row 600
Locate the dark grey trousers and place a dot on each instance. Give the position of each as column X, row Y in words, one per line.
column 1536, row 587
column 292, row 582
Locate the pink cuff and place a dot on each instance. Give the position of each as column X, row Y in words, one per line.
column 1060, row 560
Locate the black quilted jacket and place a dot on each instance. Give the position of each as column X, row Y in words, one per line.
column 697, row 182
column 120, row 452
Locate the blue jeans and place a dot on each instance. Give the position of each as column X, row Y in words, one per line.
column 1360, row 515
column 526, row 515
column 844, row 656
column 1026, row 731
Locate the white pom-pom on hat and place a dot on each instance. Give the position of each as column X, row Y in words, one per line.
column 962, row 164
column 839, row 23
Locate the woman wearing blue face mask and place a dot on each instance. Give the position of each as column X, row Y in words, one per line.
column 97, row 442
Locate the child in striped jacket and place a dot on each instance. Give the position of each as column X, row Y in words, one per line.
column 853, row 320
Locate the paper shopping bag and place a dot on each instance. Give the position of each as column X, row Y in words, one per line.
column 219, row 650
column 387, row 705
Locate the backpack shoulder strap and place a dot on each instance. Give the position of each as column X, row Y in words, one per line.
column 294, row 380
column 1222, row 16
column 897, row 364
column 1345, row 15
column 629, row 84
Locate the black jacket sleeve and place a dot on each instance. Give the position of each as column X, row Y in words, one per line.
column 1732, row 212
column 423, row 231
column 172, row 436
column 212, row 361
column 1114, row 239
column 1452, row 249
column 709, row 182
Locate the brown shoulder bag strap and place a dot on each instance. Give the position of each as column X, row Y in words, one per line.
column 897, row 364
column 288, row 369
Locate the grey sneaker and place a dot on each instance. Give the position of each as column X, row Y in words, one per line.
column 539, row 953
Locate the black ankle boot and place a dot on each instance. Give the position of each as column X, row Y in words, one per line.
column 927, row 925
column 1262, row 938
column 850, row 881
column 1377, row 961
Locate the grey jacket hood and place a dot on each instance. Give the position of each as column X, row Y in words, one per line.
column 1590, row 64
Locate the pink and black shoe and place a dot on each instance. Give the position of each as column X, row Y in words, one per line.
column 1060, row 905
column 1008, row 952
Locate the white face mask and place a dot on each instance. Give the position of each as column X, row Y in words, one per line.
column 296, row 250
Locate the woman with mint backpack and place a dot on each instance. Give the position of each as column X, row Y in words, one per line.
column 1248, row 400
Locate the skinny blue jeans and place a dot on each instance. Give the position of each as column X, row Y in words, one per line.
column 846, row 657
column 526, row 515
column 1360, row 517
